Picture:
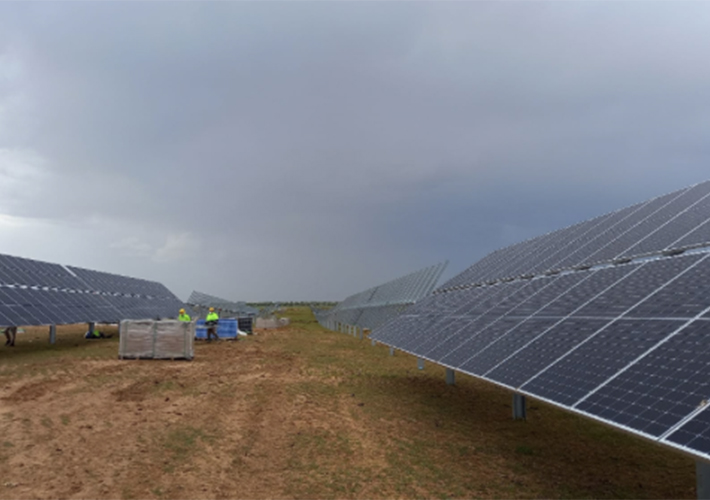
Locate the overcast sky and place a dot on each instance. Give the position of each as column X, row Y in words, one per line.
column 310, row 150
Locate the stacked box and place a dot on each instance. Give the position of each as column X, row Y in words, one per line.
column 226, row 329
column 151, row 339
column 246, row 324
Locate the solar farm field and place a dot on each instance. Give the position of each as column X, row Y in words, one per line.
column 298, row 412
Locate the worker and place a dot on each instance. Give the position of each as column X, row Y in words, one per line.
column 96, row 334
column 211, row 321
column 10, row 334
column 184, row 316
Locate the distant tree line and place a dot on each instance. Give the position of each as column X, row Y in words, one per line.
column 305, row 303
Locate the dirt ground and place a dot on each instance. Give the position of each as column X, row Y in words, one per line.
column 296, row 412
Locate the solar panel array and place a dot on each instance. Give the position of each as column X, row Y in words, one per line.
column 676, row 220
column 609, row 318
column 40, row 293
column 375, row 306
column 201, row 300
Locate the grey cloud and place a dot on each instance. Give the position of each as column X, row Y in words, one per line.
column 290, row 143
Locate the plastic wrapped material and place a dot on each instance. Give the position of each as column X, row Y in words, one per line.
column 226, row 329
column 150, row 339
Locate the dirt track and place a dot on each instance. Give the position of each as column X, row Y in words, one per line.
column 152, row 428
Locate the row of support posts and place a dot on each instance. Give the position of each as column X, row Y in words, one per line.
column 354, row 330
column 53, row 332
column 702, row 469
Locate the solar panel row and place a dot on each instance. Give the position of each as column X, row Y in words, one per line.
column 239, row 308
column 678, row 220
column 375, row 306
column 40, row 293
column 627, row 344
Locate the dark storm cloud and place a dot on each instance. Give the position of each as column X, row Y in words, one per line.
column 310, row 150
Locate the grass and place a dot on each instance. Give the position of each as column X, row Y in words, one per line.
column 436, row 433
column 181, row 443
column 302, row 412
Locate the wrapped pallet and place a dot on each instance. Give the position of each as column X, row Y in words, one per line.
column 151, row 339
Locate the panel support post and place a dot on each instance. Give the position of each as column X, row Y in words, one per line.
column 519, row 410
column 91, row 326
column 361, row 333
column 702, row 478
column 391, row 351
column 450, row 376
column 52, row 334
column 420, row 363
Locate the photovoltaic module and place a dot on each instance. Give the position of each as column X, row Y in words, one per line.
column 609, row 318
column 40, row 293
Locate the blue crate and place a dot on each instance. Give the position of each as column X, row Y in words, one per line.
column 226, row 329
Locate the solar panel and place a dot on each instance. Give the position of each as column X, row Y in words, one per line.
column 694, row 434
column 620, row 332
column 642, row 232
column 614, row 345
column 201, row 300
column 376, row 306
column 675, row 220
column 41, row 293
column 657, row 391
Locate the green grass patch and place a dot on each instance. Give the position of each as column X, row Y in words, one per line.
column 181, row 443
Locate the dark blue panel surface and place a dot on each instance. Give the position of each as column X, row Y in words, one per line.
column 553, row 289
column 512, row 303
column 421, row 329
column 506, row 345
column 457, row 337
column 555, row 243
column 676, row 229
column 661, row 388
column 682, row 297
column 604, row 249
column 575, row 375
column 694, row 434
column 393, row 329
column 45, row 293
column 636, row 286
column 480, row 269
column 544, row 351
column 444, row 332
column 433, row 333
column 594, row 283
column 700, row 235
column 489, row 297
column 627, row 242
column 596, row 238
column 477, row 341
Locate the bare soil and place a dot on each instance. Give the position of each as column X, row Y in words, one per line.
column 296, row 412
